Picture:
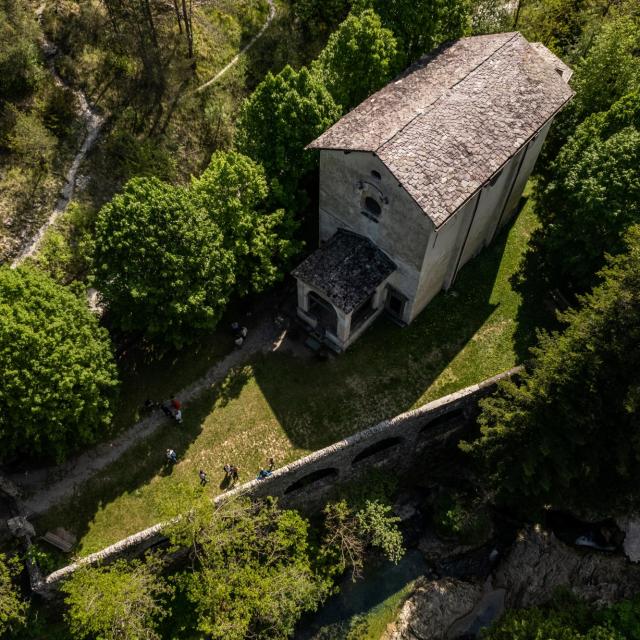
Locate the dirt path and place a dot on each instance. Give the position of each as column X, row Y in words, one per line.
column 234, row 60
column 93, row 123
column 53, row 485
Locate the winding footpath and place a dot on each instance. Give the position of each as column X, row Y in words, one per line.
column 93, row 122
column 234, row 60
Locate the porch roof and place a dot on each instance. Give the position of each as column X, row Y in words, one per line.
column 346, row 270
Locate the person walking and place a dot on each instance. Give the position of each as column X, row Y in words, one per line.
column 234, row 475
column 172, row 458
column 203, row 478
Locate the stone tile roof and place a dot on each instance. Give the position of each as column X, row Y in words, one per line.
column 346, row 270
column 450, row 121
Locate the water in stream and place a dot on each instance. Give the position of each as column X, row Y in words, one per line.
column 365, row 607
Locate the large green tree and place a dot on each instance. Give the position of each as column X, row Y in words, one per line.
column 121, row 601
column 607, row 70
column 161, row 263
column 592, row 197
column 252, row 574
column 57, row 372
column 360, row 57
column 568, row 432
column 284, row 114
column 421, row 25
column 233, row 190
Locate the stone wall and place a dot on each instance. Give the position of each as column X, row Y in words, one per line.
column 416, row 439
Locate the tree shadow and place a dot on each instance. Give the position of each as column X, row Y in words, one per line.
column 539, row 305
column 389, row 368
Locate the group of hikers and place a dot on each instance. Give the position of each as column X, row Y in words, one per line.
column 171, row 409
column 232, row 473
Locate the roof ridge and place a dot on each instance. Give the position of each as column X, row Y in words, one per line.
column 446, row 93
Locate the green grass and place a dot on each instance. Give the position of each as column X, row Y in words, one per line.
column 285, row 407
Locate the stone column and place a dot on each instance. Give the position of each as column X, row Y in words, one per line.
column 303, row 296
column 344, row 327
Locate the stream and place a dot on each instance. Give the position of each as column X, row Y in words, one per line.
column 93, row 122
column 373, row 600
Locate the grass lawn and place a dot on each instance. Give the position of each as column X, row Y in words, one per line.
column 285, row 407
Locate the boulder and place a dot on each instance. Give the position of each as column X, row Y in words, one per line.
column 538, row 563
column 20, row 527
column 433, row 607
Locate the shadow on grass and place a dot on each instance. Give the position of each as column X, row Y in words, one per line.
column 388, row 369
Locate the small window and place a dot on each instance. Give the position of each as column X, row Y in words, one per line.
column 376, row 175
column 372, row 207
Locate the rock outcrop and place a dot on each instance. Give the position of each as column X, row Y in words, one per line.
column 631, row 545
column 433, row 608
column 538, row 563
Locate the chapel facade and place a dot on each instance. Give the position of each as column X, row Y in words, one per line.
column 422, row 175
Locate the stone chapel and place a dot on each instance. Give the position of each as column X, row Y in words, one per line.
column 422, row 175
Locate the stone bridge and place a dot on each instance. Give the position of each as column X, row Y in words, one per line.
column 410, row 442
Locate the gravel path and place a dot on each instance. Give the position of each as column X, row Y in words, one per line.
column 53, row 485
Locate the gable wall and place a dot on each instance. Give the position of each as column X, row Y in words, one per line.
column 402, row 230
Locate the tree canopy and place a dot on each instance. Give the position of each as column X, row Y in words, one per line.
column 360, row 57
column 284, row 114
column 567, row 618
column 421, row 26
column 121, row 601
column 161, row 263
column 253, row 575
column 56, row 365
column 233, row 190
column 567, row 432
column 592, row 196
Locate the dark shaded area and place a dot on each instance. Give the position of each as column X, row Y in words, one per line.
column 378, row 447
column 311, row 478
column 387, row 369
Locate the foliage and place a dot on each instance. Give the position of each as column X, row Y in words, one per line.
column 233, row 190
column 121, row 601
column 421, row 26
column 461, row 517
column 30, row 140
column 20, row 69
column 66, row 248
column 324, row 14
column 490, row 16
column 593, row 196
column 360, row 58
column 567, row 618
column 567, row 433
column 62, row 399
column 160, row 262
column 611, row 68
column 608, row 69
column 12, row 607
column 284, row 114
column 349, row 533
column 252, row 575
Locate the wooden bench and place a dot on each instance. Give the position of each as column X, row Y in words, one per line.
column 61, row 539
